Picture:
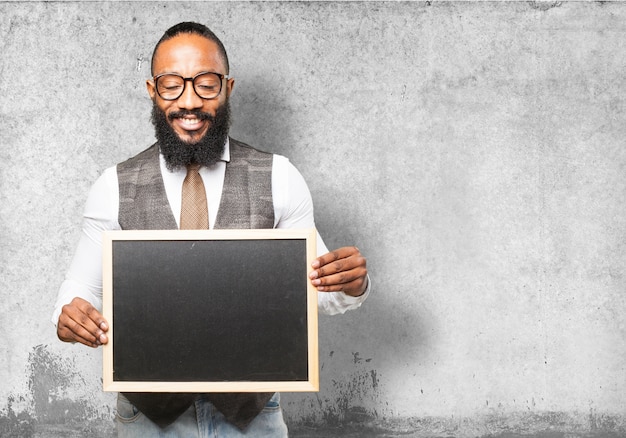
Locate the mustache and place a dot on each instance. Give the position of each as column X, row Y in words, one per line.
column 200, row 115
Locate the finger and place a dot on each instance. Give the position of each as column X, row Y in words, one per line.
column 335, row 255
column 91, row 312
column 77, row 325
column 354, row 288
column 339, row 280
column 74, row 330
column 342, row 265
column 65, row 333
column 75, row 338
column 78, row 322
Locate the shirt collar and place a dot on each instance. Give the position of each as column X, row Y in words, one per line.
column 226, row 153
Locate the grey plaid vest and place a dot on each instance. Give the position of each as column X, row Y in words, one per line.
column 246, row 197
column 246, row 203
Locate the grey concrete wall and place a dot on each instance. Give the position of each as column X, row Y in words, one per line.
column 473, row 151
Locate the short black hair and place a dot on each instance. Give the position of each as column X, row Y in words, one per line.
column 193, row 28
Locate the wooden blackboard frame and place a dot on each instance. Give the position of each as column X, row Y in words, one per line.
column 176, row 237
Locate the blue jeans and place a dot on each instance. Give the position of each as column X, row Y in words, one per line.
column 201, row 420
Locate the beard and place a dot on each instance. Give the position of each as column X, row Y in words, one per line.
column 206, row 151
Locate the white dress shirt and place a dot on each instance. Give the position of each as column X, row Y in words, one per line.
column 293, row 208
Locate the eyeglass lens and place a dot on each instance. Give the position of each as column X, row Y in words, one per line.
column 206, row 85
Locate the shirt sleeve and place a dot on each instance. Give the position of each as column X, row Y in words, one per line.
column 293, row 208
column 84, row 277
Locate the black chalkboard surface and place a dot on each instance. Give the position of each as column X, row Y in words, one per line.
column 210, row 311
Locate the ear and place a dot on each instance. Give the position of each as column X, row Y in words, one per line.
column 151, row 89
column 230, row 84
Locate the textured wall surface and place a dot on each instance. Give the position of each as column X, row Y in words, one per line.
column 473, row 151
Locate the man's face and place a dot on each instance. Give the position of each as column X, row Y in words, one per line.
column 187, row 55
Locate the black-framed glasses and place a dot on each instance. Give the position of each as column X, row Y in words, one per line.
column 206, row 84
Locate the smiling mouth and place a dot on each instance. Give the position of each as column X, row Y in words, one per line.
column 190, row 121
column 186, row 121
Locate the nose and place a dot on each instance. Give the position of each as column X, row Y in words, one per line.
column 189, row 99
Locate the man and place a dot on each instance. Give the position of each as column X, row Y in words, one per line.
column 190, row 90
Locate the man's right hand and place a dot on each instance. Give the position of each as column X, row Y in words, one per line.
column 80, row 322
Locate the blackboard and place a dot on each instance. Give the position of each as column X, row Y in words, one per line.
column 210, row 311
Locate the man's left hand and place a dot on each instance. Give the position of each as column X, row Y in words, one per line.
column 341, row 270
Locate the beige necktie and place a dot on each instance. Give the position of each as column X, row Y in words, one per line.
column 194, row 213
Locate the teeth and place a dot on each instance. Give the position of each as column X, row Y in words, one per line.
column 190, row 121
